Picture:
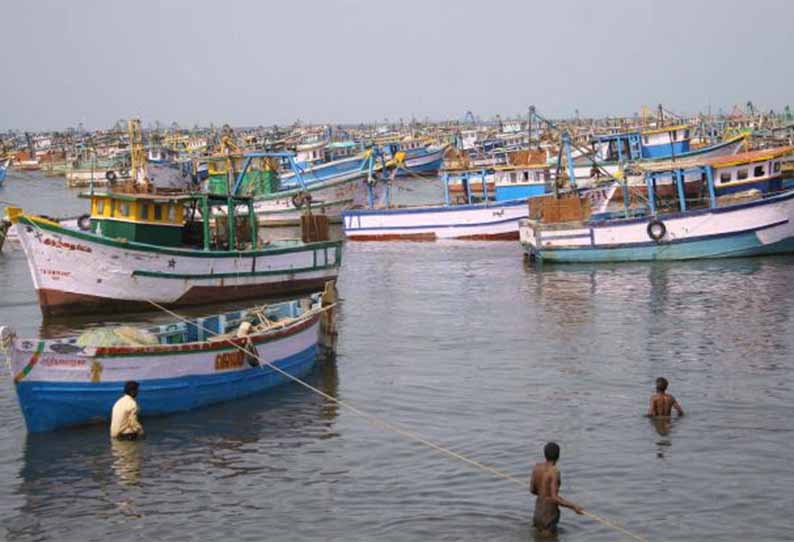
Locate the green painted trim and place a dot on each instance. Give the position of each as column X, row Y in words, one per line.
column 188, row 253
column 204, row 276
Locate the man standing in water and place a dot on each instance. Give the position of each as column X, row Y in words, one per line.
column 545, row 483
column 124, row 423
column 662, row 403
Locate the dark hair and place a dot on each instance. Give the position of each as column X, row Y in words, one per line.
column 131, row 388
column 552, row 451
column 661, row 384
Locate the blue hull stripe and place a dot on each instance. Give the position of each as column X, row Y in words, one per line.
column 50, row 405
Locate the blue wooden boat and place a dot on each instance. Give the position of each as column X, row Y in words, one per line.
column 180, row 366
column 731, row 206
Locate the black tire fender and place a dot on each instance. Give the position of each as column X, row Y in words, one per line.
column 84, row 222
column 656, row 230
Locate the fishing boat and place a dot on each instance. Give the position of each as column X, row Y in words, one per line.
column 741, row 205
column 611, row 151
column 478, row 217
column 413, row 157
column 182, row 365
column 330, row 187
column 171, row 248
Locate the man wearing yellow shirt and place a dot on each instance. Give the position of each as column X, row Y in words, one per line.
column 124, row 424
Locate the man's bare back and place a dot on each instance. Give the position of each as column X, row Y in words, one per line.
column 545, row 484
column 662, row 403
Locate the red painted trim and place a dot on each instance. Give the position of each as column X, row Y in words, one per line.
column 506, row 236
column 394, row 237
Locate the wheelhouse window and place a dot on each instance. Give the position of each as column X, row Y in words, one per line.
column 758, row 171
column 143, row 211
column 158, row 212
column 124, row 209
column 526, row 175
column 100, row 207
column 741, row 174
column 777, row 167
column 172, row 214
column 725, row 177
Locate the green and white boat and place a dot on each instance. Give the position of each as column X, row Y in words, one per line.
column 171, row 249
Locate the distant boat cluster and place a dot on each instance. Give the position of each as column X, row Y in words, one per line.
column 184, row 217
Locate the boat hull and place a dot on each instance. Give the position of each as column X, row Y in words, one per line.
column 492, row 221
column 78, row 385
column 424, row 162
column 77, row 272
column 759, row 227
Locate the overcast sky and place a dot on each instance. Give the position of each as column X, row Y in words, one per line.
column 262, row 62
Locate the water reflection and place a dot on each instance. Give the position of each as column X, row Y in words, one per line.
column 127, row 460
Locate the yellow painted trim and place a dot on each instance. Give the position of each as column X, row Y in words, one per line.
column 665, row 129
column 146, row 222
column 13, row 214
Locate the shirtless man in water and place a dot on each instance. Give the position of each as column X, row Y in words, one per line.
column 662, row 403
column 545, row 483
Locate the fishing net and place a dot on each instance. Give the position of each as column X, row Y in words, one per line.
column 118, row 336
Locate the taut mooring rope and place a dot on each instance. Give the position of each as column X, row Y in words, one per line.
column 394, row 428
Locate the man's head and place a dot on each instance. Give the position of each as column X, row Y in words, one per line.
column 661, row 384
column 131, row 388
column 551, row 451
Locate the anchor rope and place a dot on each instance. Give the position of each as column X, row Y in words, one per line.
column 376, row 420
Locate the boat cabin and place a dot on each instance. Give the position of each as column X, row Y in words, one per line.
column 187, row 220
column 641, row 145
column 308, row 154
column 338, row 150
column 524, row 181
column 676, row 187
column 260, row 177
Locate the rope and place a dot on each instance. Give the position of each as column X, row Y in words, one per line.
column 392, row 427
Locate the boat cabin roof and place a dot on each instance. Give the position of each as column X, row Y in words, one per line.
column 663, row 129
column 182, row 197
column 600, row 138
column 720, row 161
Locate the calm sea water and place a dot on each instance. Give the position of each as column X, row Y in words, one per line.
column 464, row 344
